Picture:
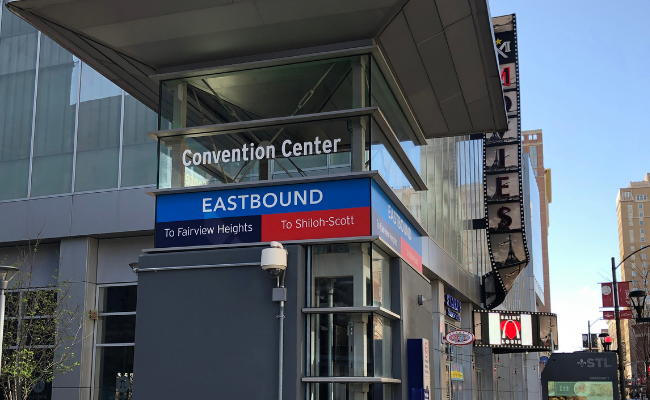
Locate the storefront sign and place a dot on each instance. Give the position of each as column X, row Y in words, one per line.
column 453, row 307
column 459, row 338
column 391, row 225
column 456, row 372
column 516, row 330
column 330, row 209
column 419, row 369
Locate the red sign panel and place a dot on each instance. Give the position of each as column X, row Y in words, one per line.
column 608, row 295
column 347, row 222
column 624, row 314
column 623, row 294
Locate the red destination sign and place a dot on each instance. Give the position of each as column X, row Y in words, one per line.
column 624, row 314
column 324, row 224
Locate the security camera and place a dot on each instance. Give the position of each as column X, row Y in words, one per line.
column 274, row 259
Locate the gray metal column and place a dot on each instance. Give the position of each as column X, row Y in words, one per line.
column 467, row 355
column 438, row 371
column 78, row 264
column 358, row 127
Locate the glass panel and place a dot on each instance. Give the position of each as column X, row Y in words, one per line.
column 98, row 134
column 350, row 391
column 56, row 107
column 116, row 329
column 114, row 369
column 138, row 149
column 281, row 91
column 256, row 154
column 381, row 96
column 341, row 275
column 18, row 47
column 380, row 278
column 118, row 298
column 383, row 348
column 382, row 159
column 340, row 345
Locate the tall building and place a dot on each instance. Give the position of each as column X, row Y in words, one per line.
column 631, row 210
column 352, row 132
column 533, row 145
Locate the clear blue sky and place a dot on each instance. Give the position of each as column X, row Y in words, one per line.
column 585, row 80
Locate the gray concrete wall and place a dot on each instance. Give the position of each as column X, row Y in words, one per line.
column 213, row 332
column 101, row 213
column 416, row 322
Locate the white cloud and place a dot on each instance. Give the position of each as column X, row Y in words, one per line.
column 578, row 307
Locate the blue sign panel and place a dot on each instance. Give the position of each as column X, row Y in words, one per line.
column 328, row 195
column 391, row 225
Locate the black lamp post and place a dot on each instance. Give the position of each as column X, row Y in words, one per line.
column 638, row 297
column 605, row 340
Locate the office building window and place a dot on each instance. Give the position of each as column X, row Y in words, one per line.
column 629, row 207
column 633, row 257
column 139, row 151
column 641, row 231
column 642, row 239
column 633, row 273
column 644, row 265
column 640, row 214
column 98, row 133
column 641, row 206
column 645, row 273
column 56, row 108
column 631, row 222
column 627, row 195
column 642, row 197
column 532, row 150
column 17, row 75
column 640, row 222
column 114, row 342
column 643, row 256
column 629, row 215
column 634, row 282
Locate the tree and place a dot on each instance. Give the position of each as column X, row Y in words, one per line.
column 40, row 333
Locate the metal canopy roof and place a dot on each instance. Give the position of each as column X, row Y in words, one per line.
column 440, row 52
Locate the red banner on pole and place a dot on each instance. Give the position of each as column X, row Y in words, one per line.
column 608, row 294
column 623, row 294
column 624, row 314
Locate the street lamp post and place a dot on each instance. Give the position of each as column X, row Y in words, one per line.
column 6, row 274
column 619, row 350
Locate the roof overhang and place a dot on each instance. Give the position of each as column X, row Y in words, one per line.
column 440, row 52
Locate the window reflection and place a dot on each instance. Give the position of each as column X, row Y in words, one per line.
column 98, row 135
column 56, row 108
column 17, row 75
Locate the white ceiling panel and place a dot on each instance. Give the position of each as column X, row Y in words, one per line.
column 423, row 19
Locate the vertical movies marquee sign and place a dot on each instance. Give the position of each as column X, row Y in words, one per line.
column 502, row 176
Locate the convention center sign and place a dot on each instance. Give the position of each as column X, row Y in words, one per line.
column 303, row 211
column 502, row 177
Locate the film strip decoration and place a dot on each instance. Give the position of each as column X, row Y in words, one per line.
column 502, row 180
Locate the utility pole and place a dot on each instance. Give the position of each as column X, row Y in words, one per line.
column 619, row 350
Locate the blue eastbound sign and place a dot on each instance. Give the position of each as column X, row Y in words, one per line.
column 318, row 210
column 391, row 225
